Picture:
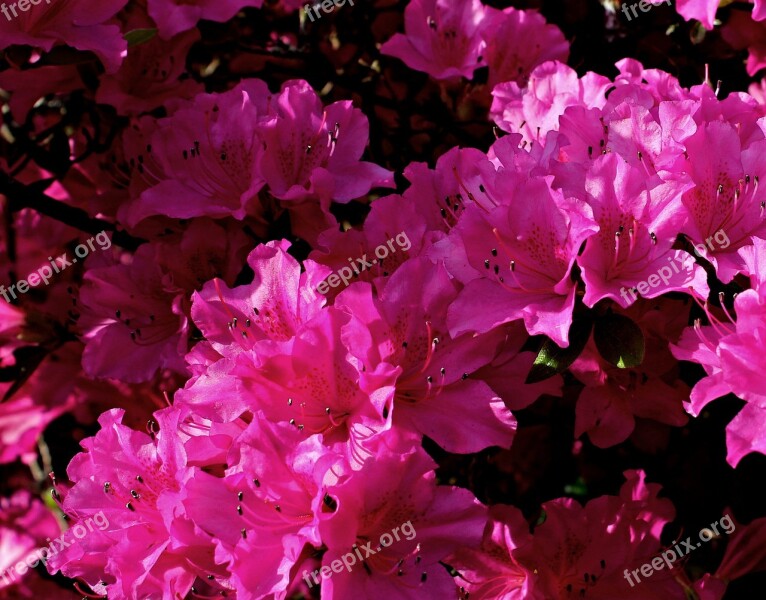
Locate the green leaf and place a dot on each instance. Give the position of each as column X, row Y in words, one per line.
column 619, row 340
column 139, row 36
column 552, row 360
column 578, row 488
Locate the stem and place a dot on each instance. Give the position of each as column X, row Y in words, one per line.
column 22, row 196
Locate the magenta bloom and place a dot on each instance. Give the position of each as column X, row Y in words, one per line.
column 534, row 110
column 442, row 38
column 588, row 548
column 395, row 498
column 725, row 204
column 310, row 149
column 639, row 217
column 519, row 255
column 492, row 571
column 174, row 16
column 82, row 24
column 127, row 497
column 731, row 356
column 202, row 160
column 406, row 328
column 266, row 508
column 517, row 41
column 128, row 306
column 25, row 523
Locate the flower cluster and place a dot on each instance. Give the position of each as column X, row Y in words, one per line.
column 242, row 423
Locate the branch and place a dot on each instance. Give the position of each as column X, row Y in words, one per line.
column 22, row 196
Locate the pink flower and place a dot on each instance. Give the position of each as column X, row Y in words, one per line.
column 265, row 509
column 517, row 41
column 127, row 496
column 25, row 523
column 725, row 205
column 77, row 23
column 150, row 76
column 492, row 572
column 519, row 255
column 174, row 16
column 396, row 496
column 440, row 195
column 394, row 229
column 275, row 306
column 583, row 551
column 127, row 306
column 315, row 384
column 202, row 160
column 731, row 356
column 314, row 150
column 406, row 327
column 639, row 217
column 534, row 110
column 271, row 310
column 442, row 38
column 32, row 406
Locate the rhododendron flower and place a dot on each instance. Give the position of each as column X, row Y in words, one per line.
column 639, row 217
column 442, row 38
column 599, row 540
column 725, row 205
column 491, row 572
column 26, row 526
column 131, row 485
column 396, row 492
column 174, row 16
column 311, row 149
column 407, row 328
column 519, row 255
column 535, row 109
column 517, row 41
column 127, row 306
column 266, row 508
column 81, row 24
column 314, row 384
column 730, row 355
column 273, row 308
column 206, row 154
column 27, row 410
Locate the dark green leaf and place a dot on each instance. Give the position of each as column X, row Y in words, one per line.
column 552, row 360
column 619, row 340
column 139, row 36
